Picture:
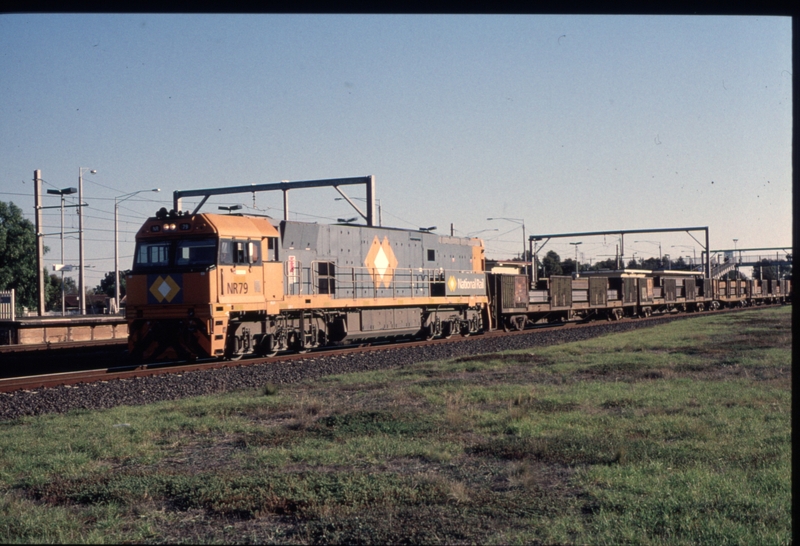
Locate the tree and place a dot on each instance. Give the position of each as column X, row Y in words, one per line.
column 53, row 290
column 552, row 264
column 18, row 256
column 568, row 266
column 610, row 263
column 680, row 263
column 106, row 285
column 767, row 271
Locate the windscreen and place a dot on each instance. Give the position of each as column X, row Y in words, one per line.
column 152, row 254
column 175, row 253
column 196, row 252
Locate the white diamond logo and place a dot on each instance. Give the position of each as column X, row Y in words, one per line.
column 164, row 289
column 381, row 262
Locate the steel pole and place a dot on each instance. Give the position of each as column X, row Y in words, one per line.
column 37, row 186
column 116, row 253
column 81, row 286
column 63, row 305
column 525, row 265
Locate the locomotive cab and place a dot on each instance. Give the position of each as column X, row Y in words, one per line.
column 189, row 273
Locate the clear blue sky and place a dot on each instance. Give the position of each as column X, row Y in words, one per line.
column 572, row 123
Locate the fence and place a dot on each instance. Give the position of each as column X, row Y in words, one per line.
column 7, row 305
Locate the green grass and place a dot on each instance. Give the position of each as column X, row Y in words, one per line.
column 674, row 435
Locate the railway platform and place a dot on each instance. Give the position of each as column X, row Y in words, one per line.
column 47, row 331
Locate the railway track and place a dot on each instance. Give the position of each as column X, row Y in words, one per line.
column 128, row 372
column 88, row 376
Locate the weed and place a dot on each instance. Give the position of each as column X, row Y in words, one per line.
column 270, row 389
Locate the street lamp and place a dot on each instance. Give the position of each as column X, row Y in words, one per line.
column 229, row 209
column 474, row 233
column 81, row 283
column 117, row 201
column 347, row 220
column 62, row 193
column 653, row 243
column 577, row 266
column 427, row 229
column 516, row 221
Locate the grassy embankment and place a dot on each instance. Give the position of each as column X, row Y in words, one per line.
column 674, row 435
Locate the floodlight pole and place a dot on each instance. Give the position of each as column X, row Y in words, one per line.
column 37, row 193
column 82, row 293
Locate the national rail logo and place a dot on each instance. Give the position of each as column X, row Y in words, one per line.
column 165, row 288
column 381, row 262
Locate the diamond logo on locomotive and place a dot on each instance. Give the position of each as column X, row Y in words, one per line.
column 164, row 288
column 381, row 261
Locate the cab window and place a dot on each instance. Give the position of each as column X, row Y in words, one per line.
column 272, row 249
column 239, row 252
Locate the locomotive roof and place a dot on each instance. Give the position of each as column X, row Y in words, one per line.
column 468, row 241
column 241, row 226
column 222, row 225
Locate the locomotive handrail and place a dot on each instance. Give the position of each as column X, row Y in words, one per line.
column 356, row 280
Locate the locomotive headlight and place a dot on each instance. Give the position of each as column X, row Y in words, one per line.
column 172, row 227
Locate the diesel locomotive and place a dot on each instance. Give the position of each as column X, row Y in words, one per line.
column 211, row 285
column 225, row 286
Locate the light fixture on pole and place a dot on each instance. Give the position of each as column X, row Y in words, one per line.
column 117, row 201
column 231, row 208
column 81, row 283
column 474, row 233
column 347, row 220
column 427, row 229
column 62, row 193
column 516, row 221
column 653, row 243
column 577, row 266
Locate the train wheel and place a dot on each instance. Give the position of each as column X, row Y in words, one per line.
column 233, row 352
column 267, row 347
column 519, row 323
column 433, row 329
column 449, row 328
column 237, row 345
